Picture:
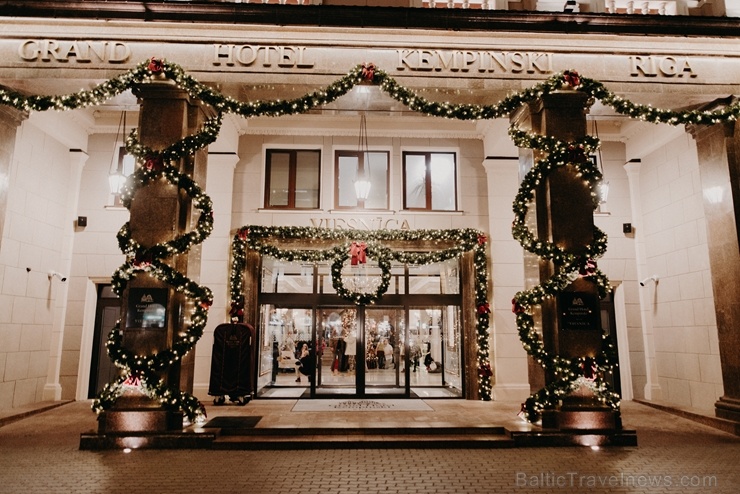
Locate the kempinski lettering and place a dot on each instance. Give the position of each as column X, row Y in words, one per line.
column 266, row 56
column 482, row 61
column 48, row 50
column 654, row 66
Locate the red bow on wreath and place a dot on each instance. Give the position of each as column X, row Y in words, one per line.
column 358, row 253
column 572, row 78
column 243, row 233
column 156, row 65
column 482, row 239
column 368, row 72
column 484, row 309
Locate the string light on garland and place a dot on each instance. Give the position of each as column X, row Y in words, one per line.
column 258, row 238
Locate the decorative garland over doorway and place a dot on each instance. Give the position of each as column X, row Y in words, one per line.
column 140, row 369
column 372, row 244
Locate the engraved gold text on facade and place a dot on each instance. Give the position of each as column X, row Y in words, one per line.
column 48, row 50
column 265, row 56
column 514, row 62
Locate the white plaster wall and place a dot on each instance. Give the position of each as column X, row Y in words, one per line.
column 32, row 238
column 249, row 181
column 95, row 257
column 618, row 264
column 682, row 304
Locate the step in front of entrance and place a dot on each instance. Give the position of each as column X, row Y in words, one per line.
column 380, row 438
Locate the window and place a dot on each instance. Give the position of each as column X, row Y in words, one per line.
column 125, row 167
column 430, row 181
column 292, row 179
column 351, row 166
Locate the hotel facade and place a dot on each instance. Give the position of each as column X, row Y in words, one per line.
column 287, row 180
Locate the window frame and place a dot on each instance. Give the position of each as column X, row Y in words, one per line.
column 292, row 180
column 361, row 163
column 428, row 180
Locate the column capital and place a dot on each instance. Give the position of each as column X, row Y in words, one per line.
column 12, row 115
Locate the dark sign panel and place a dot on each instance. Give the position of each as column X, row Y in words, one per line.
column 579, row 310
column 147, row 308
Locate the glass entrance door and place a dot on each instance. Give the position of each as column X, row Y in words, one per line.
column 384, row 349
column 435, row 351
column 336, row 344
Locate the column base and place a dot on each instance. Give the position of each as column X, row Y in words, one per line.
column 727, row 408
column 582, row 418
column 123, row 420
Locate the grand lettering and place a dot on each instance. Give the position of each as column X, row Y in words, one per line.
column 654, row 66
column 266, row 56
column 48, row 50
column 481, row 61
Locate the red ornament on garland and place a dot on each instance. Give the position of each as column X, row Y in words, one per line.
column 142, row 260
column 243, row 233
column 572, row 78
column 484, row 309
column 588, row 269
column 368, row 72
column 482, row 239
column 516, row 307
column 156, row 65
column 485, row 370
column 589, row 369
column 154, row 163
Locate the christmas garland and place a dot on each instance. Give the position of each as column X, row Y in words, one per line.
column 255, row 238
column 154, row 69
column 142, row 371
column 568, row 374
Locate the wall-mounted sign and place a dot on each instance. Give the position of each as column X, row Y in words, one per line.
column 147, row 308
column 579, row 310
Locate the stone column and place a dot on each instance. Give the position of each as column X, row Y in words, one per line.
column 718, row 147
column 53, row 389
column 509, row 360
column 160, row 212
column 563, row 212
column 10, row 119
column 652, row 389
column 215, row 261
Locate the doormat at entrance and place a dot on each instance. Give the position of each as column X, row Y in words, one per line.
column 243, row 422
column 361, row 405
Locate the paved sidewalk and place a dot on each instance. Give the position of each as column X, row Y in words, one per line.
column 40, row 454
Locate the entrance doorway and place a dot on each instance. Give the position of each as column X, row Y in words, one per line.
column 361, row 351
column 107, row 312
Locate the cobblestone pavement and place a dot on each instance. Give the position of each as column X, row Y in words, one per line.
column 40, row 454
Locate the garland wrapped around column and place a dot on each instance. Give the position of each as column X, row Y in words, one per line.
column 142, row 371
column 370, row 74
column 254, row 238
column 569, row 373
